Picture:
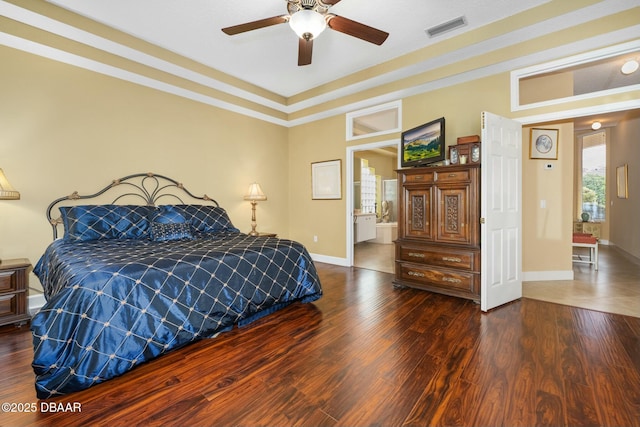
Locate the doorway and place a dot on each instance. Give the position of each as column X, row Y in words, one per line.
column 610, row 288
column 377, row 253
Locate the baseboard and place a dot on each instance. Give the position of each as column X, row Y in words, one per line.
column 543, row 276
column 628, row 256
column 330, row 260
column 36, row 301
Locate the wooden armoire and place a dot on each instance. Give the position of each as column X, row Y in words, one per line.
column 438, row 245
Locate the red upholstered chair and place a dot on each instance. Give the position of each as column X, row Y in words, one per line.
column 585, row 240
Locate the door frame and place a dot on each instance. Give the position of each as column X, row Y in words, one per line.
column 351, row 150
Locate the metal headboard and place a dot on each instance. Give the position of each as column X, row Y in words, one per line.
column 147, row 188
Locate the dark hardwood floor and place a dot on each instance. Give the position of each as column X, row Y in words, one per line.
column 367, row 355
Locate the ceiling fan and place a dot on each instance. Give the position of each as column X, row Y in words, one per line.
column 308, row 18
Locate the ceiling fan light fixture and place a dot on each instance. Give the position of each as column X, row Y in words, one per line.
column 307, row 24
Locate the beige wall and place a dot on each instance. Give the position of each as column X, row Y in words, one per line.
column 624, row 213
column 461, row 105
column 63, row 129
column 546, row 232
column 316, row 142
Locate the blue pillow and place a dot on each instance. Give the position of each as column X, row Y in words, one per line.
column 167, row 223
column 101, row 222
column 206, row 219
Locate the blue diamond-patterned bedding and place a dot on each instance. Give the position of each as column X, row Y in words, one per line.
column 115, row 303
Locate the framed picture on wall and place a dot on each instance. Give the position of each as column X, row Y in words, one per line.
column 326, row 181
column 543, row 144
column 621, row 182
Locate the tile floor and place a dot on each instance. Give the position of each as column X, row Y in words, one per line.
column 614, row 288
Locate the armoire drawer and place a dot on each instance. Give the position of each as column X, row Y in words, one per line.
column 441, row 257
column 425, row 177
column 453, row 176
column 445, row 278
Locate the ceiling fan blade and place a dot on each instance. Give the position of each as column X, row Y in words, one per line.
column 356, row 29
column 305, row 48
column 254, row 25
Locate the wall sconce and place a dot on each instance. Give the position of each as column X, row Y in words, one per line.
column 254, row 194
column 7, row 192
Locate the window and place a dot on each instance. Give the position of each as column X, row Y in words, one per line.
column 594, row 173
column 379, row 120
column 584, row 76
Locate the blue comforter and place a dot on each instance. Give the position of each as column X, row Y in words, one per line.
column 113, row 304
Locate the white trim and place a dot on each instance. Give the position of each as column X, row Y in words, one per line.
column 586, row 14
column 349, row 190
column 55, row 27
column 568, row 62
column 544, row 276
column 580, row 112
column 35, row 303
column 98, row 67
column 330, row 260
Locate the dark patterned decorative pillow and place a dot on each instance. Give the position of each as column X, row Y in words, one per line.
column 174, row 231
column 101, row 222
column 168, row 223
column 206, row 219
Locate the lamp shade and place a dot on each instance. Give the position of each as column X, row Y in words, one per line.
column 7, row 192
column 308, row 24
column 255, row 193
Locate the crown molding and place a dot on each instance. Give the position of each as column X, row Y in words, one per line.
column 69, row 32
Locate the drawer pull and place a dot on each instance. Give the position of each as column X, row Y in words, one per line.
column 419, row 177
column 416, row 255
column 453, row 175
column 451, row 259
column 451, row 280
column 416, row 274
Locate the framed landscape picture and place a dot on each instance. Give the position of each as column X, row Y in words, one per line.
column 621, row 182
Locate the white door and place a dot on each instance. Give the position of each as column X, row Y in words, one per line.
column 501, row 211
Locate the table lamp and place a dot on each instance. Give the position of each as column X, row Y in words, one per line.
column 7, row 192
column 253, row 195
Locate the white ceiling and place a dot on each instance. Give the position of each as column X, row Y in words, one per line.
column 268, row 57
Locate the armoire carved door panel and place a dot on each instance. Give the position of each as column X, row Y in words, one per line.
column 453, row 214
column 417, row 215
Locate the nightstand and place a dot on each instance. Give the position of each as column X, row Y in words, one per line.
column 260, row 234
column 14, row 289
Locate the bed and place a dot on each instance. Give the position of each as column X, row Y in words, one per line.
column 128, row 282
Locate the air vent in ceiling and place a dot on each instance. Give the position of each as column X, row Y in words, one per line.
column 446, row 26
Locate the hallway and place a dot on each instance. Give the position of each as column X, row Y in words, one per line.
column 614, row 288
